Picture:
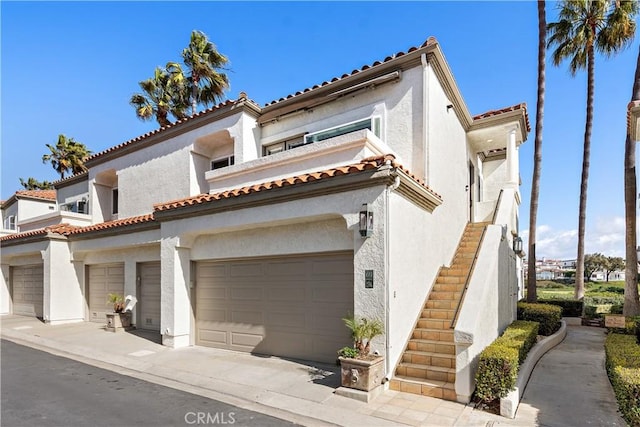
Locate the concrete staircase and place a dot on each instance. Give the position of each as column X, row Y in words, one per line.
column 428, row 365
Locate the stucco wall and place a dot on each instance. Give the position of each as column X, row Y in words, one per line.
column 495, row 175
column 161, row 172
column 5, row 293
column 63, row 279
column 394, row 102
column 28, row 208
column 73, row 191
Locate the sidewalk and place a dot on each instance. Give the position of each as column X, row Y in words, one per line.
column 303, row 392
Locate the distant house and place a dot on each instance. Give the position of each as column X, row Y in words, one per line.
column 22, row 211
column 258, row 228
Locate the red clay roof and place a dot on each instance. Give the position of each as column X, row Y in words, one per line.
column 38, row 194
column 430, row 41
column 521, row 106
column 366, row 164
column 110, row 224
column 67, row 229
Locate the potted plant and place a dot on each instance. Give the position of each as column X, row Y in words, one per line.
column 119, row 318
column 359, row 368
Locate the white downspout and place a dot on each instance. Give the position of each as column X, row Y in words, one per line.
column 387, row 221
column 425, row 116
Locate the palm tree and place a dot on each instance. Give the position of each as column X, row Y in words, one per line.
column 584, row 27
column 66, row 156
column 164, row 94
column 631, row 305
column 532, row 294
column 204, row 61
column 33, row 184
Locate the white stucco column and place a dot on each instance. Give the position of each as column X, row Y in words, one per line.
column 5, row 295
column 513, row 172
column 63, row 296
column 175, row 310
column 246, row 143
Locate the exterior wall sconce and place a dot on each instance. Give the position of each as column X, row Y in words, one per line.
column 517, row 245
column 366, row 221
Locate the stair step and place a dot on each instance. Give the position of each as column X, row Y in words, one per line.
column 437, row 389
column 445, row 335
column 448, row 304
column 451, row 280
column 442, row 295
column 426, row 372
column 455, row 272
column 448, row 287
column 434, row 346
column 429, row 358
column 434, row 323
column 438, row 313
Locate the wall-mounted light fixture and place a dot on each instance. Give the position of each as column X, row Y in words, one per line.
column 517, row 245
column 450, row 106
column 366, row 221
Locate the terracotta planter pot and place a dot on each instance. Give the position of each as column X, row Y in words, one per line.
column 362, row 374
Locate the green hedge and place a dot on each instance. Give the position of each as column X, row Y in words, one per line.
column 498, row 366
column 623, row 367
column 546, row 314
column 570, row 308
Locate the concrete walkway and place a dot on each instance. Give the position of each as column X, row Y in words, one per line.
column 563, row 389
column 569, row 386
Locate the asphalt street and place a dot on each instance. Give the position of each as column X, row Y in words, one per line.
column 41, row 389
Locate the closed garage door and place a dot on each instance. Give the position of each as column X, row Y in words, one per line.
column 149, row 300
column 104, row 279
column 287, row 306
column 28, row 290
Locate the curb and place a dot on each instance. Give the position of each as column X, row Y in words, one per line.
column 509, row 404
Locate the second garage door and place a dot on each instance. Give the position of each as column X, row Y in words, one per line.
column 287, row 306
column 27, row 282
column 149, row 301
column 104, row 279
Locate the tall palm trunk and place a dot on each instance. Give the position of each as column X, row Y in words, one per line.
column 631, row 301
column 532, row 294
column 582, row 216
column 194, row 94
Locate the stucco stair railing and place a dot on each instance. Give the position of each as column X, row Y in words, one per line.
column 427, row 366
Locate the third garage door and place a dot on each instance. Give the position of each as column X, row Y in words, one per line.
column 104, row 279
column 286, row 306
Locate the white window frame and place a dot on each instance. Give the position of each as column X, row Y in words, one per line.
column 375, row 126
column 10, row 222
column 231, row 160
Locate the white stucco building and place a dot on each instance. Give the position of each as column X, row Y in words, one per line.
column 239, row 227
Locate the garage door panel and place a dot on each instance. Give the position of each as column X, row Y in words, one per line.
column 293, row 308
column 28, row 290
column 253, row 293
column 104, row 280
column 149, row 301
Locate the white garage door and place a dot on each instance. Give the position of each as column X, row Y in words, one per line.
column 149, row 299
column 28, row 290
column 287, row 306
column 104, row 279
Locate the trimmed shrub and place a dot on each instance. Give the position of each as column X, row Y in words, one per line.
column 497, row 372
column 499, row 362
column 520, row 335
column 570, row 308
column 604, row 299
column 623, row 367
column 546, row 314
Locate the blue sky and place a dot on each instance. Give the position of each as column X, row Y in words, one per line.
column 72, row 67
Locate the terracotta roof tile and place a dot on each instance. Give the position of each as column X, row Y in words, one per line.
column 430, row 41
column 67, row 230
column 366, row 164
column 38, row 194
column 630, row 106
column 109, row 224
column 61, row 229
column 521, row 106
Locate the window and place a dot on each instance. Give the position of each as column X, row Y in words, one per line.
column 223, row 162
column 114, row 201
column 10, row 222
column 78, row 206
column 373, row 124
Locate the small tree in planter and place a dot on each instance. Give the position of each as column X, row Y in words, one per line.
column 360, row 369
column 119, row 318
